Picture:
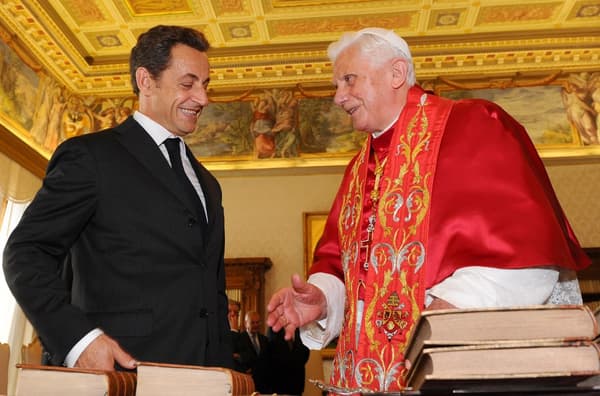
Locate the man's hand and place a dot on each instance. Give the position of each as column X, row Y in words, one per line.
column 102, row 354
column 295, row 306
column 438, row 303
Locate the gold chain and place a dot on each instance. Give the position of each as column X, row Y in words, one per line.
column 379, row 166
column 366, row 244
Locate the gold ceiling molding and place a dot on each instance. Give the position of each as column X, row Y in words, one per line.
column 9, row 39
column 84, row 44
column 502, row 83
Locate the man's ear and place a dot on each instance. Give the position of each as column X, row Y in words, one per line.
column 399, row 72
column 144, row 79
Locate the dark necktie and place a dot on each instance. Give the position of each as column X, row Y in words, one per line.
column 172, row 145
column 256, row 343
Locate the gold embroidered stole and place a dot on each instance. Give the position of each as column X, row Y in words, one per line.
column 370, row 351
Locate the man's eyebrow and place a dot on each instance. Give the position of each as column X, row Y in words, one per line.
column 189, row 75
column 194, row 77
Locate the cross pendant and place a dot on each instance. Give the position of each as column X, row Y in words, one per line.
column 366, row 243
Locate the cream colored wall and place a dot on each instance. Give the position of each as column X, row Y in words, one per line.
column 263, row 216
column 578, row 190
column 263, row 212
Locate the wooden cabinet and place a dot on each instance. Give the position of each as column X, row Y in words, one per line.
column 246, row 283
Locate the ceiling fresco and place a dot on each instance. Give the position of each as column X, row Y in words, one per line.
column 84, row 44
column 79, row 49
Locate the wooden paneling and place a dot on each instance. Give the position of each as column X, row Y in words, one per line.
column 247, row 274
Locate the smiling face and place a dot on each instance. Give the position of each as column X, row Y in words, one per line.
column 176, row 98
column 366, row 89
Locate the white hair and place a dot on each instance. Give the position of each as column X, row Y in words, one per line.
column 382, row 44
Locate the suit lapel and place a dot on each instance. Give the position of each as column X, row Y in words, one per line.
column 137, row 141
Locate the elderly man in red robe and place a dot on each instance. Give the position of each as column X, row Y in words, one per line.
column 446, row 205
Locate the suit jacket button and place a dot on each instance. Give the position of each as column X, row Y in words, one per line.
column 203, row 313
column 191, row 222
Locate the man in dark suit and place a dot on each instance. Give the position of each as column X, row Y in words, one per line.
column 252, row 347
column 146, row 257
column 286, row 363
column 234, row 323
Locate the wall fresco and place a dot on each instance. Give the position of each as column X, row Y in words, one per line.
column 283, row 123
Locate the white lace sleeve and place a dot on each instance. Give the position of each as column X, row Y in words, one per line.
column 566, row 290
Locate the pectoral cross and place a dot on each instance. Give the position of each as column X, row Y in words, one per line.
column 366, row 243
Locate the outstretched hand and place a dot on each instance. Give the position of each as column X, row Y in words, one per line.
column 103, row 353
column 293, row 307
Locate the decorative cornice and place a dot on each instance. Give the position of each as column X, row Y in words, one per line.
column 273, row 43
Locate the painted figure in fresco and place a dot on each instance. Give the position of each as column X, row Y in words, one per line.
column 24, row 95
column 48, row 92
column 122, row 113
column 285, row 124
column 55, row 117
column 578, row 102
column 594, row 84
column 428, row 216
column 106, row 118
column 110, row 112
column 274, row 124
column 261, row 127
column 78, row 119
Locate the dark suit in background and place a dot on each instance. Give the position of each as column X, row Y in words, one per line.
column 286, row 363
column 145, row 270
column 250, row 360
column 234, row 323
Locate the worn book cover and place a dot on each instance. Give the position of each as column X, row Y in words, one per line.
column 159, row 379
column 493, row 325
column 38, row 380
column 524, row 363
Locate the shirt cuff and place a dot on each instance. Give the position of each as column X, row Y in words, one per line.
column 78, row 349
column 318, row 334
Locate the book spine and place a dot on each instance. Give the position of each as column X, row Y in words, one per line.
column 593, row 318
column 121, row 383
column 243, row 385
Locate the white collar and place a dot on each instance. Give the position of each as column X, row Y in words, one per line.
column 157, row 132
column 376, row 134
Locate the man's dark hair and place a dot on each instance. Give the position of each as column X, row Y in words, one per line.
column 153, row 49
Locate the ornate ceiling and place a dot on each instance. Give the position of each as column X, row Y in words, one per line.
column 84, row 44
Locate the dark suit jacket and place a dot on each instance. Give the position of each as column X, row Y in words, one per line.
column 252, row 362
column 237, row 364
column 286, row 363
column 143, row 268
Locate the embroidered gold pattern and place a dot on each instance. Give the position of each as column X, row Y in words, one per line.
column 393, row 291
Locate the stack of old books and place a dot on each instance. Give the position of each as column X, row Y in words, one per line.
column 151, row 379
column 508, row 348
